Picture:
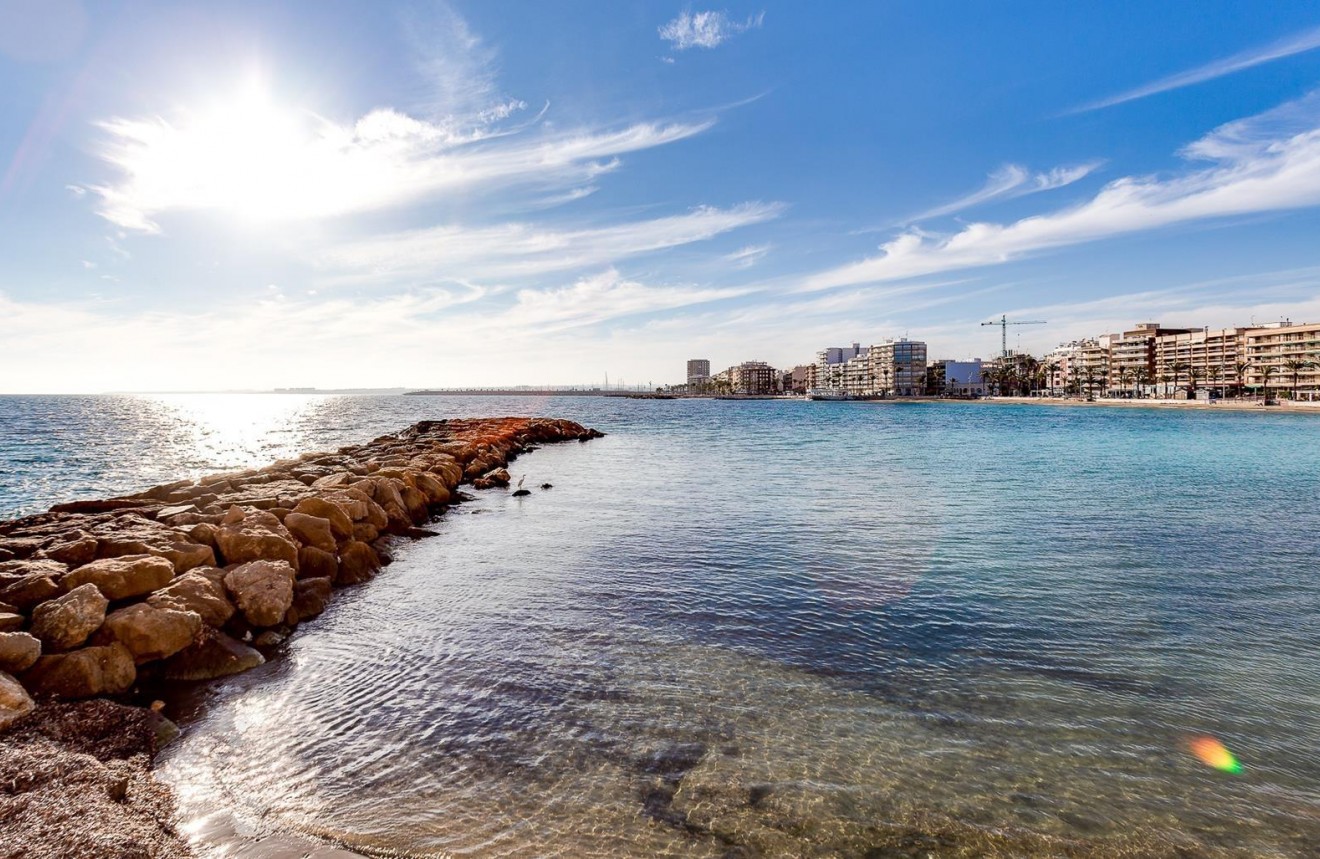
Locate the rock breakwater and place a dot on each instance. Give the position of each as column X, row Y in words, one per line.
column 185, row 581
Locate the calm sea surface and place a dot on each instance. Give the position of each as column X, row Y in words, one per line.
column 769, row 628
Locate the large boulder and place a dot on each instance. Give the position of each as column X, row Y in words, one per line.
column 262, row 590
column 435, row 491
column 310, row 597
column 122, row 577
column 357, row 563
column 15, row 703
column 313, row 531
column 197, row 592
column 341, row 525
column 316, row 564
column 23, row 584
column 65, row 622
column 256, row 536
column 76, row 549
column 18, row 651
column 213, row 654
column 84, row 673
column 11, row 621
column 150, row 632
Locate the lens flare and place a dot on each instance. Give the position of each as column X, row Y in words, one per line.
column 1212, row 753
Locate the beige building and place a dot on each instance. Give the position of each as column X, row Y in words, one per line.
column 754, row 377
column 1278, row 346
column 1198, row 359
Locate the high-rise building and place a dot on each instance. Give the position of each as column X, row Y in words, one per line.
column 698, row 372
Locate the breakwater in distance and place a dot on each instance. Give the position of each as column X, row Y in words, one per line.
column 188, row 581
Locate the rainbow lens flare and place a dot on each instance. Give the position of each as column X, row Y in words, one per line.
column 1212, row 753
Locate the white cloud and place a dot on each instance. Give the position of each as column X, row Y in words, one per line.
column 748, row 256
column 1287, row 47
column 1009, row 181
column 519, row 249
column 706, row 29
column 261, row 161
column 1267, row 163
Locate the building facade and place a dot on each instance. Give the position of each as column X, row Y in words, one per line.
column 1292, row 354
column 698, row 373
column 754, row 377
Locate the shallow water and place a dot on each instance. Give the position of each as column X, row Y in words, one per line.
column 790, row 628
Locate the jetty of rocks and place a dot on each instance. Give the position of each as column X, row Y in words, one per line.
column 186, row 581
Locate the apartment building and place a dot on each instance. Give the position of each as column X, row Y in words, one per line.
column 754, row 377
column 898, row 368
column 1133, row 361
column 698, row 373
column 1198, row 358
column 1291, row 351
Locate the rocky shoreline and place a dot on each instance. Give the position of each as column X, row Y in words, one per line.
column 190, row 581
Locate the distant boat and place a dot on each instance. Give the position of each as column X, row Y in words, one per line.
column 828, row 394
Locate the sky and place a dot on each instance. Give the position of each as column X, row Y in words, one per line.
column 236, row 195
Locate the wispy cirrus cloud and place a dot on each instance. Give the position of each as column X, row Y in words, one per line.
column 1265, row 163
column 1298, row 43
column 706, row 29
column 513, row 250
column 1009, row 181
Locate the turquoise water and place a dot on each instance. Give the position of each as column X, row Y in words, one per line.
column 771, row 628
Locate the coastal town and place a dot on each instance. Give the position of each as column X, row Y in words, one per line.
column 1277, row 360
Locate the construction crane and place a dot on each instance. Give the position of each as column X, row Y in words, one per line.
column 1003, row 324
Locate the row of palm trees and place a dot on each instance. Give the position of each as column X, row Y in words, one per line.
column 1029, row 377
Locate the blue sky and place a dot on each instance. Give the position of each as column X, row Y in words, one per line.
column 231, row 195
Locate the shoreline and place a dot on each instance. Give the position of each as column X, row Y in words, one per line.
column 1253, row 406
column 103, row 602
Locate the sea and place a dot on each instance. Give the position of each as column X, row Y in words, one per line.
column 765, row 628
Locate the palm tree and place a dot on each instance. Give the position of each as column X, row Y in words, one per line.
column 1266, row 370
column 1213, row 374
column 1142, row 377
column 1088, row 376
column 1051, row 371
column 1295, row 366
column 1124, row 374
column 1193, row 374
column 1240, row 373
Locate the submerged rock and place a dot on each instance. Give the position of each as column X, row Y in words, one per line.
column 214, row 654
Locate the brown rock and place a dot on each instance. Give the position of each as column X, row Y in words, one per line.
column 186, row 556
column 214, row 654
column 258, row 536
column 365, row 532
column 311, row 531
column 435, row 491
column 310, row 597
column 74, row 552
column 15, row 702
column 357, row 563
column 150, row 632
column 340, row 523
column 83, row 673
column 196, row 592
column 66, row 622
column 263, row 590
column 24, row 592
column 316, row 564
column 122, row 577
column 11, row 621
column 18, row 651
column 415, row 501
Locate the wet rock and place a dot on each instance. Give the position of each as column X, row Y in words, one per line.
column 269, row 638
column 18, row 651
column 15, row 703
column 150, row 632
column 84, row 673
column 357, row 563
column 310, row 597
column 196, row 592
column 262, row 590
column 547, row 486
column 213, row 655
column 436, row 492
column 316, row 564
column 256, row 536
column 11, row 621
column 122, row 577
column 519, row 493
column 313, row 531
column 66, row 622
